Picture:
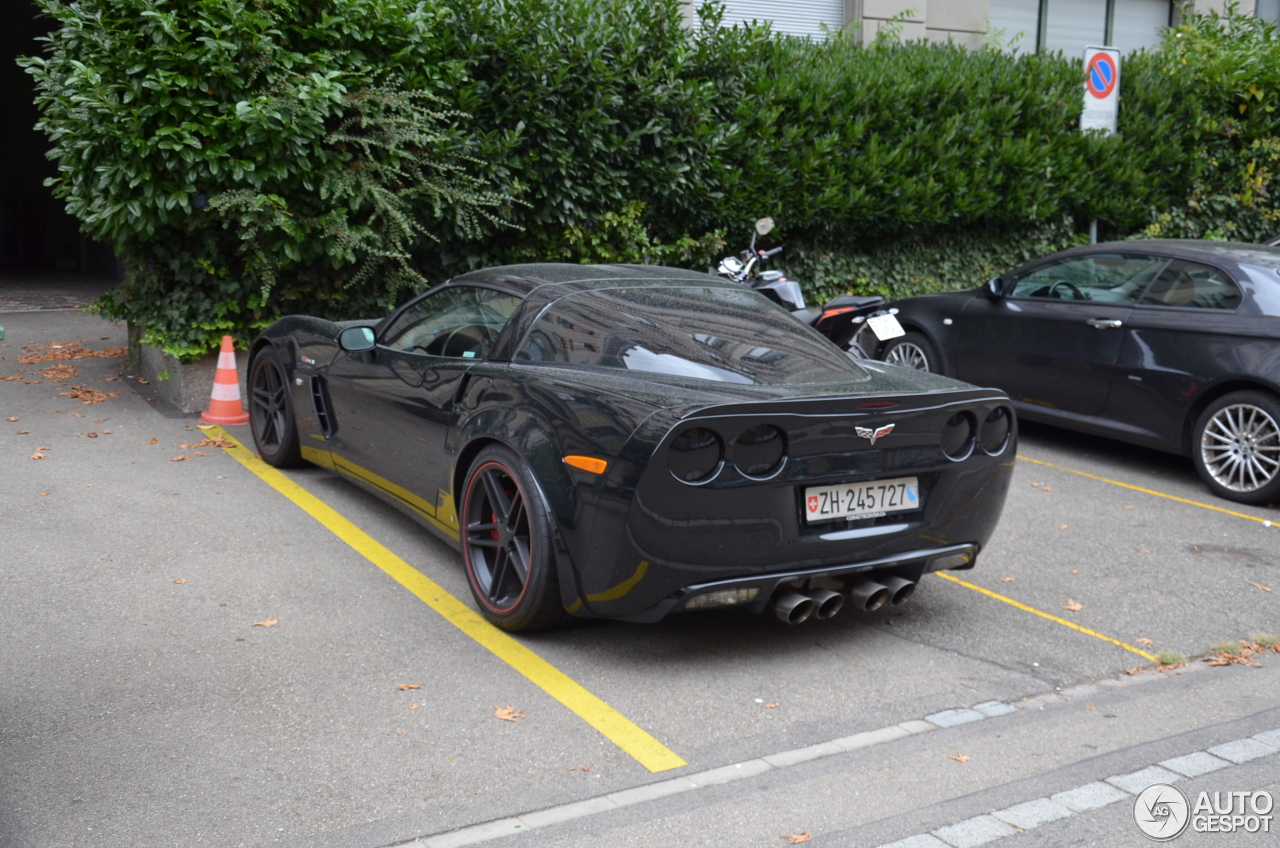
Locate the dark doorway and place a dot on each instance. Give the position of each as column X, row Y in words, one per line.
column 38, row 238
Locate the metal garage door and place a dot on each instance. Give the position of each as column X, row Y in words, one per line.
column 1015, row 23
column 1072, row 24
column 794, row 17
column 1137, row 24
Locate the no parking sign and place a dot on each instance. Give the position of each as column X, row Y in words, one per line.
column 1101, row 89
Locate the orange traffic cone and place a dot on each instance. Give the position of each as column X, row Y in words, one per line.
column 224, row 405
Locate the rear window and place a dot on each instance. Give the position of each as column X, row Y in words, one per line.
column 723, row 335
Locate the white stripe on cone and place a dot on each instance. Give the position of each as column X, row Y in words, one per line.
column 226, row 391
column 227, row 359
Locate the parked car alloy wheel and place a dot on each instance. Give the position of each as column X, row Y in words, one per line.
column 1237, row 447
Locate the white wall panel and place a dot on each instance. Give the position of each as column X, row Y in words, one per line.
column 794, row 17
column 1017, row 22
column 1073, row 24
column 1137, row 24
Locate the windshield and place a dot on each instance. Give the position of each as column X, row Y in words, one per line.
column 704, row 333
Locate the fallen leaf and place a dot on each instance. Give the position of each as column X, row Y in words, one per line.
column 37, row 455
column 92, row 434
column 270, row 622
column 43, row 447
column 1073, row 606
column 201, row 453
column 587, row 768
column 1092, row 709
column 796, row 838
column 959, row 758
column 413, row 706
column 1075, row 571
column 1259, row 586
column 507, row 713
column 1062, row 527
column 88, row 485
column 399, row 733
column 1037, row 485
column 153, row 441
column 405, row 687
column 77, row 415
column 177, row 458
column 87, row 395
column 1006, row 579
column 106, row 432
column 23, row 432
column 13, row 418
column 42, row 494
column 1128, row 507
column 1133, row 671
column 99, row 421
column 1045, row 489
column 770, row 706
column 1143, row 640
column 181, row 580
column 1143, row 551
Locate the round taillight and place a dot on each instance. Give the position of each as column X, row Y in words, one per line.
column 695, row 455
column 994, row 435
column 758, row 452
column 957, row 436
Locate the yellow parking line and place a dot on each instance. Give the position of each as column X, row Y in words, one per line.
column 615, row 727
column 1043, row 614
column 1264, row 521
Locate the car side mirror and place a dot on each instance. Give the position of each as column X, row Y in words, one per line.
column 354, row 339
column 995, row 288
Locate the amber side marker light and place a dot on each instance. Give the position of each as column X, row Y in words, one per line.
column 587, row 463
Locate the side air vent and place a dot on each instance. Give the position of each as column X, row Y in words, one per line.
column 323, row 407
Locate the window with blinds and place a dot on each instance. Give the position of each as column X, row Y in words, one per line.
column 1072, row 25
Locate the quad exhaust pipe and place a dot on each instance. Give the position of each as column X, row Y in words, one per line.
column 822, row 604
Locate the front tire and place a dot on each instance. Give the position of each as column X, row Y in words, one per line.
column 507, row 544
column 275, row 430
column 913, row 350
column 1236, row 447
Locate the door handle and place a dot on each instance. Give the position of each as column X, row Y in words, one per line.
column 1105, row 323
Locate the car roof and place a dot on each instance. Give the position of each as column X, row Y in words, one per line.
column 1204, row 250
column 524, row 279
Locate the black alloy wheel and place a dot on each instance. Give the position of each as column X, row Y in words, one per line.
column 1236, row 447
column 275, row 431
column 913, row 350
column 507, row 545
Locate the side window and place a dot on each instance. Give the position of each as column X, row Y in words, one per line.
column 1118, row 278
column 1189, row 284
column 458, row 322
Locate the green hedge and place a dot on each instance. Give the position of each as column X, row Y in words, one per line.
column 256, row 157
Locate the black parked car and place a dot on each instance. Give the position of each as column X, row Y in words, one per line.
column 629, row 441
column 1170, row 344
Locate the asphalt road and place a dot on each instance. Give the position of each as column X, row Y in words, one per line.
column 139, row 711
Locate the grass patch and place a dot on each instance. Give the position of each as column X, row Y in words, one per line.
column 1264, row 640
column 1170, row 658
column 1231, row 649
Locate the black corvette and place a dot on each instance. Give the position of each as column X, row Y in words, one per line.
column 1174, row 345
column 631, row 441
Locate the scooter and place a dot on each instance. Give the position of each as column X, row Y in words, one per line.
column 843, row 319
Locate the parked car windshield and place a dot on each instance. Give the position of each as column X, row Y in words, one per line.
column 720, row 334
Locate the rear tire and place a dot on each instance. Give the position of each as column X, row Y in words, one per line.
column 913, row 350
column 1236, row 447
column 275, row 430
column 507, row 544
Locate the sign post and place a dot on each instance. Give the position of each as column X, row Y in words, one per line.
column 1101, row 89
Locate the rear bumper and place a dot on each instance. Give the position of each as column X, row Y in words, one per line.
column 916, row 563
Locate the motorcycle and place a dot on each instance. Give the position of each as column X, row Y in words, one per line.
column 844, row 319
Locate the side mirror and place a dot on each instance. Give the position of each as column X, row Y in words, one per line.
column 764, row 226
column 354, row 339
column 995, row 288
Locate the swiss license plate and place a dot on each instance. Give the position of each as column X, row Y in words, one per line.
column 861, row 500
column 885, row 327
